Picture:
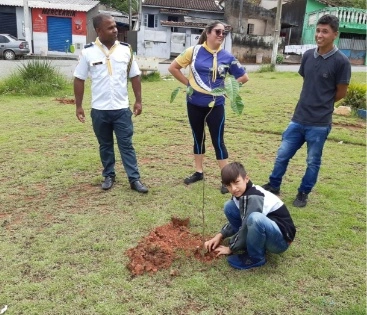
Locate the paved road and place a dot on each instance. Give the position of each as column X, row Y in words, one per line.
column 66, row 67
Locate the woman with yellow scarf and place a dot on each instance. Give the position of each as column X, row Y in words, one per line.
column 209, row 63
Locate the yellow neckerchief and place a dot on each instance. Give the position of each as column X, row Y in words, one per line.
column 215, row 61
column 108, row 53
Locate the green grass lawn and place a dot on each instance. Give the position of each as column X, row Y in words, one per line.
column 63, row 240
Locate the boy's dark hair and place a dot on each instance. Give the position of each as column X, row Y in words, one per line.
column 331, row 20
column 231, row 171
column 98, row 19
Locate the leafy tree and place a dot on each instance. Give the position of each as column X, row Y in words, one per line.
column 122, row 5
column 361, row 4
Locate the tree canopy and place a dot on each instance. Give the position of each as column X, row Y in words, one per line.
column 122, row 5
column 361, row 4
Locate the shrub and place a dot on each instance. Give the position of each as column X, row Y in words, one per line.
column 280, row 59
column 151, row 77
column 267, row 68
column 36, row 77
column 356, row 96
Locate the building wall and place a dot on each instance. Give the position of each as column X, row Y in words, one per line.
column 91, row 33
column 313, row 5
column 160, row 41
column 293, row 13
column 259, row 26
column 249, row 11
column 20, row 23
column 245, row 46
column 40, row 31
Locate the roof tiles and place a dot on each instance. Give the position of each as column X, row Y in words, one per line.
column 75, row 5
column 201, row 5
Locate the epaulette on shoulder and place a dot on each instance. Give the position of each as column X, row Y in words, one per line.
column 89, row 45
column 125, row 44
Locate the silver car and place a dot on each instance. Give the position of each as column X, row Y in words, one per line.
column 12, row 47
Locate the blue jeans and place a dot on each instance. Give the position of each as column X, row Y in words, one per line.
column 262, row 234
column 105, row 122
column 292, row 139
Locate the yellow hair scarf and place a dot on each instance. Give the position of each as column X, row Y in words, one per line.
column 215, row 61
column 107, row 54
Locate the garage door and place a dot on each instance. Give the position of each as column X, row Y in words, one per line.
column 8, row 23
column 59, row 33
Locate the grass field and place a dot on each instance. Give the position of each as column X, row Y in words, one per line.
column 63, row 240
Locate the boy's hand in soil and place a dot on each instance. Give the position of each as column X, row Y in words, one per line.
column 223, row 250
column 213, row 243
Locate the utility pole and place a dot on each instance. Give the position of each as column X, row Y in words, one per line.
column 130, row 21
column 27, row 29
column 276, row 33
column 240, row 26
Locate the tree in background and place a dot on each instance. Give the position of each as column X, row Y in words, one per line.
column 122, row 5
column 361, row 4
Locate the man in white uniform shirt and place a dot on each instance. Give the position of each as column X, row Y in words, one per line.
column 108, row 63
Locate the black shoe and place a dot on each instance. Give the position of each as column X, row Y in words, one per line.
column 108, row 182
column 224, row 189
column 139, row 187
column 268, row 187
column 194, row 178
column 301, row 200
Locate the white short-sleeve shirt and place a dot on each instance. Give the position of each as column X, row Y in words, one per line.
column 109, row 92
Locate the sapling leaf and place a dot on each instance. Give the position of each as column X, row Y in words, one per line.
column 189, row 90
column 174, row 94
column 218, row 92
column 232, row 87
column 237, row 105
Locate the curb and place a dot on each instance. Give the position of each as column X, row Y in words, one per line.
column 51, row 57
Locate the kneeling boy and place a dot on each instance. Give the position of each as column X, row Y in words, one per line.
column 257, row 221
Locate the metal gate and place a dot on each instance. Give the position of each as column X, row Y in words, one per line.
column 178, row 41
column 8, row 23
column 59, row 33
column 354, row 47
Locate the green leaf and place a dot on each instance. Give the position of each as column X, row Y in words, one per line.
column 189, row 90
column 237, row 105
column 174, row 94
column 231, row 86
column 218, row 92
column 211, row 104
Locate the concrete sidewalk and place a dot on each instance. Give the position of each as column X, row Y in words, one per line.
column 67, row 63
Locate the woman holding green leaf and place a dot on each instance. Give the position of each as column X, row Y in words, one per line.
column 206, row 91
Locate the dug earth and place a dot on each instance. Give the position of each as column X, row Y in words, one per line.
column 161, row 247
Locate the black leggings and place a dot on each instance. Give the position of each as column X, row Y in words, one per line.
column 215, row 121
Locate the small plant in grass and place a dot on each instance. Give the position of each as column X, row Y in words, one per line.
column 266, row 68
column 280, row 59
column 151, row 77
column 36, row 78
column 356, row 96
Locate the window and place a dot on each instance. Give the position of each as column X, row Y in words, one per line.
column 250, row 29
column 173, row 19
column 3, row 39
column 151, row 20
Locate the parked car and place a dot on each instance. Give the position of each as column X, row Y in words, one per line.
column 12, row 47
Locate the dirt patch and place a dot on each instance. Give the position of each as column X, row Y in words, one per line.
column 163, row 245
column 65, row 100
column 356, row 126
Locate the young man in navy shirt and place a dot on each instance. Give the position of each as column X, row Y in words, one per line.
column 326, row 74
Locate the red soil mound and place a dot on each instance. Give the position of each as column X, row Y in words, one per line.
column 159, row 249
